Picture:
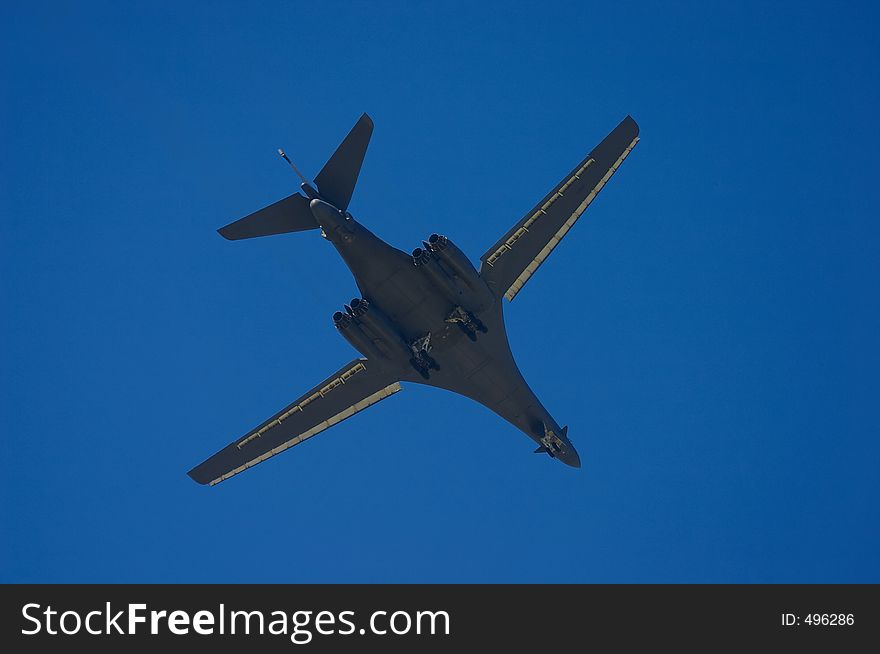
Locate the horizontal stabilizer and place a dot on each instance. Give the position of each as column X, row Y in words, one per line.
column 292, row 214
column 339, row 175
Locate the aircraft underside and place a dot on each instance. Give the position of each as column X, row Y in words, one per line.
column 429, row 317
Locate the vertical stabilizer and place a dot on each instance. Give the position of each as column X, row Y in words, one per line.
column 339, row 175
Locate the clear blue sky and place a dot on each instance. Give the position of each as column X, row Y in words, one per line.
column 708, row 330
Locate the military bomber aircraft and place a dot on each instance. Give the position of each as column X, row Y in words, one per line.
column 430, row 317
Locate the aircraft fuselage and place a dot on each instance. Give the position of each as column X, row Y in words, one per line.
column 431, row 318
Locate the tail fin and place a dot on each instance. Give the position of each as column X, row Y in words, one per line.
column 339, row 175
column 292, row 214
column 335, row 183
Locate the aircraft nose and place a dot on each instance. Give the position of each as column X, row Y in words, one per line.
column 570, row 458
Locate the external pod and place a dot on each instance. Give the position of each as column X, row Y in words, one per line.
column 377, row 322
column 352, row 333
column 426, row 262
column 476, row 295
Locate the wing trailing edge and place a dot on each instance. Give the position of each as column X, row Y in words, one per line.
column 515, row 257
column 351, row 389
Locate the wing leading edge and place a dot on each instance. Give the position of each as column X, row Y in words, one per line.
column 509, row 264
column 352, row 388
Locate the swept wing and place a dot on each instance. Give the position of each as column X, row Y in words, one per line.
column 509, row 264
column 352, row 388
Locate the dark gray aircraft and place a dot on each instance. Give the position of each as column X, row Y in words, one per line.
column 430, row 317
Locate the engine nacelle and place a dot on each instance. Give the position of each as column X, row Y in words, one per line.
column 477, row 295
column 370, row 317
column 428, row 263
column 453, row 257
column 352, row 333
